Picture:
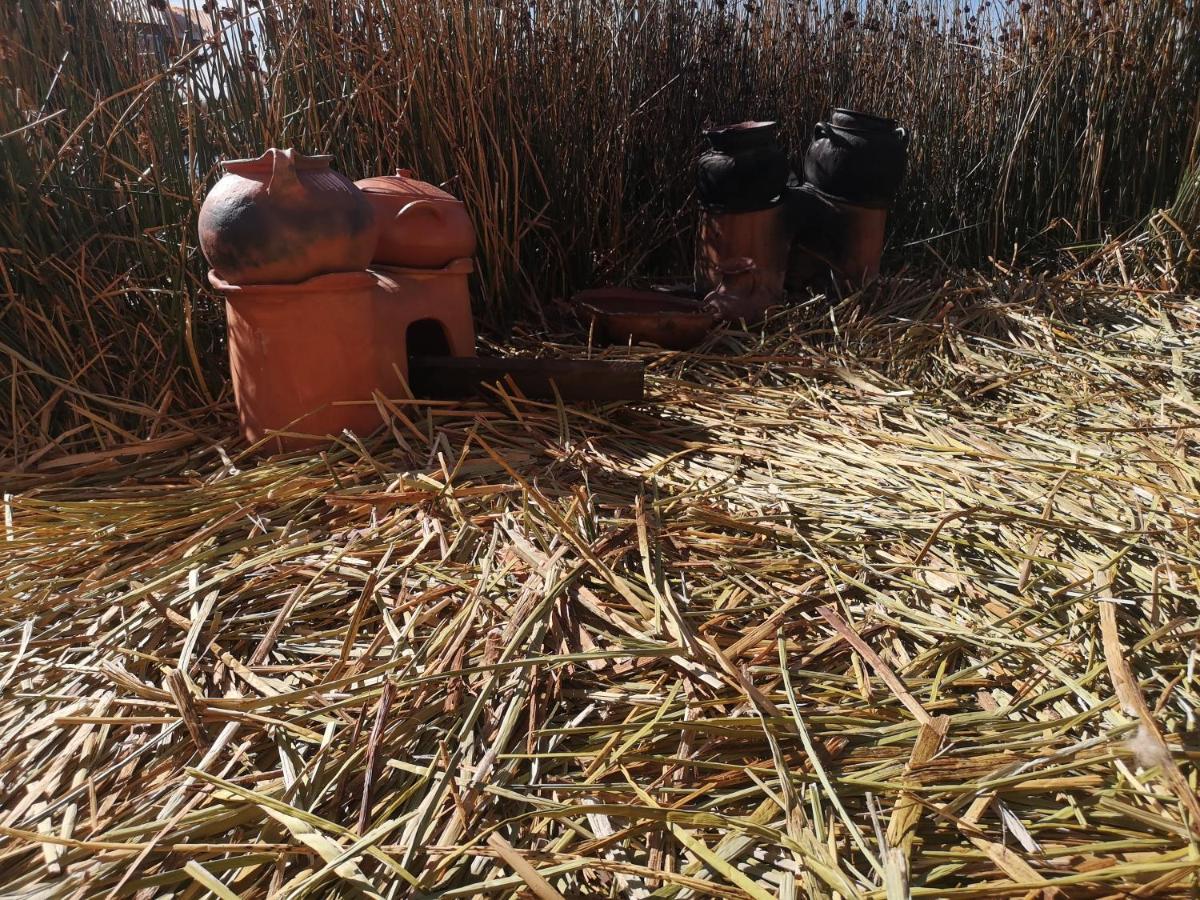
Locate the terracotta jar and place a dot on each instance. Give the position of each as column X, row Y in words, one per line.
column 421, row 225
column 306, row 358
column 284, row 218
column 763, row 236
column 857, row 158
column 744, row 171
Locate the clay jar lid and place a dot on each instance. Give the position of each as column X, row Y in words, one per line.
column 404, row 186
column 421, row 226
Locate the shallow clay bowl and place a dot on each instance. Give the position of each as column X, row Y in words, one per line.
column 650, row 317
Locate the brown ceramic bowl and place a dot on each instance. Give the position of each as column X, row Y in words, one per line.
column 649, row 317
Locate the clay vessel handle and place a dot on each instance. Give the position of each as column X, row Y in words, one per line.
column 753, row 276
column 421, row 209
column 283, row 173
column 820, row 130
column 902, row 135
column 737, row 265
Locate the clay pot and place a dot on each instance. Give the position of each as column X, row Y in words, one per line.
column 857, row 158
column 745, row 170
column 285, row 218
column 419, row 225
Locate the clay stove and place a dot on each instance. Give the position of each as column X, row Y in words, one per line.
column 313, row 342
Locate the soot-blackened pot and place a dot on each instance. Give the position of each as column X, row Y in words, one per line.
column 745, row 170
column 857, row 157
column 284, row 218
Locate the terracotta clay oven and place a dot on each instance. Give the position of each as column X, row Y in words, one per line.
column 322, row 313
column 304, row 357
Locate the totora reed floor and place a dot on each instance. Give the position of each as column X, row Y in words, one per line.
column 894, row 599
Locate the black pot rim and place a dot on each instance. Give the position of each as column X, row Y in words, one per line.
column 750, row 126
column 742, row 135
column 873, row 132
column 890, row 122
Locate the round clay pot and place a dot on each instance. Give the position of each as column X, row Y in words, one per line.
column 744, row 171
column 420, row 226
column 284, row 218
column 861, row 163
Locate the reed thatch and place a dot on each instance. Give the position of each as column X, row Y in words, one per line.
column 890, row 598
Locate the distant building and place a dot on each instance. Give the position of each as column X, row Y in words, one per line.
column 164, row 33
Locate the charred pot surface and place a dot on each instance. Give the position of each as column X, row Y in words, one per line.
column 745, row 169
column 284, row 218
column 857, row 158
column 836, row 243
column 813, row 253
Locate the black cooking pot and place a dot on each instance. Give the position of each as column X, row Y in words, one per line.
column 857, row 157
column 744, row 171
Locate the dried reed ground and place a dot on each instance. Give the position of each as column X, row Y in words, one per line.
column 899, row 598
